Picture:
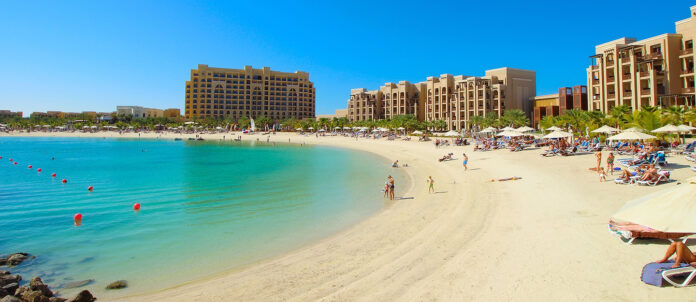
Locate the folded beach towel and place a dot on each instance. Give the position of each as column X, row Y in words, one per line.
column 652, row 272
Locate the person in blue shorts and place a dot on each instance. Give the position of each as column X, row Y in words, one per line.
column 464, row 160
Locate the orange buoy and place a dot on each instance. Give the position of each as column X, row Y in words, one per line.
column 136, row 207
column 90, row 188
column 29, row 167
column 38, row 170
column 64, row 180
column 53, row 175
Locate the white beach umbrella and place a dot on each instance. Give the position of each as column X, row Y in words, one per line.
column 669, row 210
column 686, row 128
column 669, row 128
column 487, row 131
column 218, row 128
column 400, row 128
column 347, row 128
column 634, row 129
column 85, row 127
column 553, row 128
column 507, row 129
column 630, row 136
column 189, row 123
column 337, row 128
column 375, row 130
column 490, row 129
column 510, row 133
column 524, row 129
column 606, row 129
column 558, row 134
column 322, row 130
column 452, row 133
column 417, row 132
column 311, row 128
column 299, row 129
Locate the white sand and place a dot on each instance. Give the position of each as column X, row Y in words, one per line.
column 543, row 237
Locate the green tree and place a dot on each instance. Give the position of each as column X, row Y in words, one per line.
column 515, row 118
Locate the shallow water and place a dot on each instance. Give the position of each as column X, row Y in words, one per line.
column 207, row 206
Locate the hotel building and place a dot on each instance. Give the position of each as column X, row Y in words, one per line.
column 556, row 104
column 221, row 92
column 657, row 71
column 454, row 99
column 8, row 113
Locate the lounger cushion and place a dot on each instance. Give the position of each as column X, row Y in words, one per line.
column 652, row 272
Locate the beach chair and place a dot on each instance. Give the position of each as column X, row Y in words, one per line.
column 689, row 272
column 628, row 237
column 664, row 175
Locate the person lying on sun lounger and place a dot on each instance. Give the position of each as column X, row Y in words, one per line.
column 682, row 252
column 650, row 175
column 625, row 175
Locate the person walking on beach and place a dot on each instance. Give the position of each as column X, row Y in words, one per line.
column 391, row 187
column 431, row 184
column 465, row 159
column 598, row 155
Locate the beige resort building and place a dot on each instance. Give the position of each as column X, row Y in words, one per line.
column 657, row 71
column 454, row 99
column 221, row 92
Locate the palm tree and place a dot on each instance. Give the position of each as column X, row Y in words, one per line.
column 515, row 118
column 646, row 119
column 548, row 122
column 675, row 115
column 575, row 118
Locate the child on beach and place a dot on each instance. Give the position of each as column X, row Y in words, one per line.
column 465, row 159
column 386, row 189
column 602, row 175
column 430, row 182
column 610, row 163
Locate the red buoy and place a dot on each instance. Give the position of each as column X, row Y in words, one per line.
column 29, row 167
column 38, row 170
column 64, row 180
column 136, row 207
column 53, row 175
column 78, row 216
column 10, row 159
column 15, row 163
column 90, row 188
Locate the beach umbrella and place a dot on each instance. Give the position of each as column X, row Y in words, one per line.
column 490, row 129
column 635, row 129
column 507, row 129
column 524, row 129
column 669, row 210
column 554, row 128
column 630, row 136
column 375, row 130
column 510, row 133
column 189, row 123
column 452, row 133
column 298, row 129
column 322, row 130
column 400, row 128
column 311, row 128
column 347, row 128
column 558, row 134
column 606, row 129
column 337, row 128
column 686, row 128
column 417, row 132
column 669, row 128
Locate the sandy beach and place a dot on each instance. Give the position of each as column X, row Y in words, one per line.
column 543, row 237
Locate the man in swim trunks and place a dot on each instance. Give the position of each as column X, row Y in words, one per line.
column 391, row 187
column 431, row 183
column 683, row 254
column 465, row 160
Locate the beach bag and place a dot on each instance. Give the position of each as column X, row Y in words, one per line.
column 652, row 272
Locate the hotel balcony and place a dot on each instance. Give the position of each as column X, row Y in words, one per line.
column 645, row 91
column 686, row 52
column 625, row 60
column 595, row 67
column 610, row 63
column 644, row 74
column 610, row 79
column 611, row 95
column 687, row 72
column 595, row 82
column 687, row 90
column 626, row 76
column 651, row 56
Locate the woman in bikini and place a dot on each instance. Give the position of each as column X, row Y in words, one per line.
column 683, row 254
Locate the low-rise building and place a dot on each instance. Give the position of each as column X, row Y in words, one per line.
column 172, row 112
column 8, row 113
column 556, row 104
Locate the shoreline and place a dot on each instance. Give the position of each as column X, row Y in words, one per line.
column 543, row 237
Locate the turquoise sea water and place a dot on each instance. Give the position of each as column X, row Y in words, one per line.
column 207, row 206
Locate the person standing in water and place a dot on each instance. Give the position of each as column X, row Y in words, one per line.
column 391, row 187
column 431, row 183
column 465, row 159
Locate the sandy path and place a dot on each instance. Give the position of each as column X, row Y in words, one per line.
column 540, row 238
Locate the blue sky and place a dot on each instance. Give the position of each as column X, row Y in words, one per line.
column 95, row 55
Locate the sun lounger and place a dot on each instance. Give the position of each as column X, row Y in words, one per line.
column 664, row 175
column 628, row 234
column 689, row 272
